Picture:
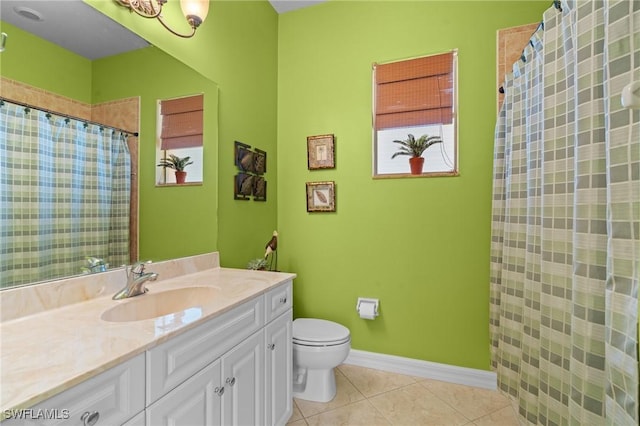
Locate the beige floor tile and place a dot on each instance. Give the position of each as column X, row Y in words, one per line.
column 502, row 417
column 301, row 422
column 416, row 405
column 358, row 413
column 296, row 415
column 372, row 382
column 346, row 393
column 472, row 402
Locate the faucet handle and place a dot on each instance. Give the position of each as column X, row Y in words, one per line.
column 138, row 267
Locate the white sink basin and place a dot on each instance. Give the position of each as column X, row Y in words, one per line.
column 154, row 305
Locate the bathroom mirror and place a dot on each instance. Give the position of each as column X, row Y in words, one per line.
column 413, row 98
column 164, row 91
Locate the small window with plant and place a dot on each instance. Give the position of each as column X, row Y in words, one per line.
column 415, row 97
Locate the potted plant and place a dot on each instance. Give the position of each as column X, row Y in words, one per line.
column 415, row 147
column 178, row 164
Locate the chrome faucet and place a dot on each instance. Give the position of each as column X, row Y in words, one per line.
column 136, row 277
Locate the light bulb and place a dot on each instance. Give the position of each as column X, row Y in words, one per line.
column 195, row 11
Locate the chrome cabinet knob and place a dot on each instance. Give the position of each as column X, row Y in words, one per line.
column 271, row 346
column 283, row 300
column 231, row 381
column 90, row 419
column 219, row 391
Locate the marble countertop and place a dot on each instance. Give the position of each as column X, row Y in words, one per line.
column 48, row 352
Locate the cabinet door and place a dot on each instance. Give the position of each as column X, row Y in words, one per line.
column 243, row 379
column 196, row 402
column 279, row 367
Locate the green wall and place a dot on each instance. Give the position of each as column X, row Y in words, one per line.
column 420, row 245
column 42, row 64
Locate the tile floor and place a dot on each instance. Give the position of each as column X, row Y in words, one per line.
column 372, row 397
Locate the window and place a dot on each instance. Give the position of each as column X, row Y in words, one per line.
column 180, row 133
column 415, row 96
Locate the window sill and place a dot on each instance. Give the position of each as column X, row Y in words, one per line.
column 423, row 175
column 161, row 185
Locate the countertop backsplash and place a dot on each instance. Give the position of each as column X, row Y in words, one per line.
column 31, row 299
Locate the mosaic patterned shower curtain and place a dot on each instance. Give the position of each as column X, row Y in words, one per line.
column 566, row 221
column 64, row 195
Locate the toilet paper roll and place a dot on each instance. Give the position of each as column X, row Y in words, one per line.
column 367, row 310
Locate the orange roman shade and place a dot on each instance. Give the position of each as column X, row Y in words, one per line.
column 182, row 122
column 414, row 92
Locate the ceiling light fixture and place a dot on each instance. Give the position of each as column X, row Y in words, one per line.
column 195, row 11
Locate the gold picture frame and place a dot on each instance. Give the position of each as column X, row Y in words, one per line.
column 321, row 196
column 321, row 152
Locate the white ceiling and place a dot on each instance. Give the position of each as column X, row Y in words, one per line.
column 73, row 25
column 282, row 6
column 79, row 28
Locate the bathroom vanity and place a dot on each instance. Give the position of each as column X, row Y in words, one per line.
column 226, row 359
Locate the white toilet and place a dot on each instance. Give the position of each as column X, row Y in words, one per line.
column 318, row 347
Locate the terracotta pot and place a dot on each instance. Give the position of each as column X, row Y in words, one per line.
column 416, row 164
column 180, row 176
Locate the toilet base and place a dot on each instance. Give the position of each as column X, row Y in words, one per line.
column 314, row 385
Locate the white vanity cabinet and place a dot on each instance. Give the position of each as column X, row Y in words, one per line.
column 234, row 369
column 250, row 384
column 110, row 398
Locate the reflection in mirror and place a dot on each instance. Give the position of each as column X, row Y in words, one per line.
column 61, row 85
column 68, row 83
column 415, row 98
column 179, row 140
column 65, row 186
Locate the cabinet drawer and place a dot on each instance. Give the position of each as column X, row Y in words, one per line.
column 278, row 300
column 174, row 361
column 116, row 395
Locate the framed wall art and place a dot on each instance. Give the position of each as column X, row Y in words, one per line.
column 252, row 165
column 321, row 196
column 321, row 152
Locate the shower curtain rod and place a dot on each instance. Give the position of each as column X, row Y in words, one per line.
column 558, row 5
column 48, row 111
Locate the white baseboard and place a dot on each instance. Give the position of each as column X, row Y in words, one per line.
column 429, row 370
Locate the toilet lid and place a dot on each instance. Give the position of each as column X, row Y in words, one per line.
column 312, row 331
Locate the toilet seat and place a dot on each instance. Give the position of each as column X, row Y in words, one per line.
column 318, row 332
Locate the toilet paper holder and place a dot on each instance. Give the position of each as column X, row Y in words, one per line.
column 367, row 301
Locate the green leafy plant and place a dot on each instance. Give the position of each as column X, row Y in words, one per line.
column 175, row 162
column 257, row 264
column 415, row 147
